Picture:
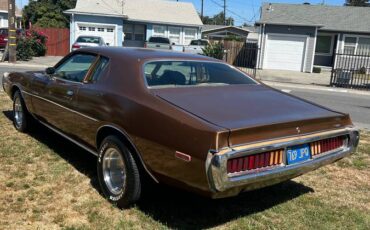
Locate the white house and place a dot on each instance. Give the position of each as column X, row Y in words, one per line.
column 132, row 22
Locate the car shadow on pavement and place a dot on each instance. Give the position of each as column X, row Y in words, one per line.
column 170, row 206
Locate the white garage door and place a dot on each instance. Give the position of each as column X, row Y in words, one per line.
column 285, row 52
column 108, row 33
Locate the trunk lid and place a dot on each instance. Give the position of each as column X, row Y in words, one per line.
column 253, row 112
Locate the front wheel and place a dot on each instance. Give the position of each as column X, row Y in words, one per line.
column 118, row 173
column 21, row 117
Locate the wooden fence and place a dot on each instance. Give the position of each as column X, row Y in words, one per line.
column 58, row 41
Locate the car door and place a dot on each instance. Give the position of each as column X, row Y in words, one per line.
column 59, row 98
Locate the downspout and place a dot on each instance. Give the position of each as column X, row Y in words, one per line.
column 262, row 46
column 72, row 39
column 314, row 50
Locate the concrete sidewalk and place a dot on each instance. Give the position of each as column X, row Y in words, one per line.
column 36, row 62
column 285, row 76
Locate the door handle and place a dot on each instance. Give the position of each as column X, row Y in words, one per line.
column 70, row 93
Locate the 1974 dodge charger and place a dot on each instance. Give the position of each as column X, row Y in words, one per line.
column 185, row 120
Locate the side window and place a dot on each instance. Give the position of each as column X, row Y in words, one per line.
column 76, row 67
column 99, row 69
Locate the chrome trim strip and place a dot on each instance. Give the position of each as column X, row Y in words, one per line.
column 132, row 144
column 73, row 111
column 221, row 182
column 70, row 139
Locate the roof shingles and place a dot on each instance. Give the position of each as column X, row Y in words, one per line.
column 329, row 18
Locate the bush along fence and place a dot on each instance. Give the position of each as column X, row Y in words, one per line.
column 352, row 68
column 240, row 54
column 31, row 44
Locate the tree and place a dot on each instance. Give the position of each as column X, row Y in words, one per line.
column 48, row 13
column 218, row 19
column 357, row 3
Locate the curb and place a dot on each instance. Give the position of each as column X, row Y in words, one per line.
column 23, row 65
column 317, row 87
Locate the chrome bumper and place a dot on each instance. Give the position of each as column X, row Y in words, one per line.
column 224, row 184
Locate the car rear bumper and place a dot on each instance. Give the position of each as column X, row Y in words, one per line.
column 224, row 185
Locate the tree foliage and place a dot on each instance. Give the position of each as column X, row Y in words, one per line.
column 357, row 3
column 218, row 19
column 48, row 13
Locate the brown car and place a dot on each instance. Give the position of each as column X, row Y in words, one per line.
column 185, row 120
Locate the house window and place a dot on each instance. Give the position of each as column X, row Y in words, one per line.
column 82, row 28
column 159, row 31
column 190, row 34
column 109, row 30
column 101, row 29
column 128, row 30
column 324, row 44
column 139, row 31
column 363, row 47
column 350, row 45
column 174, row 34
column 91, row 28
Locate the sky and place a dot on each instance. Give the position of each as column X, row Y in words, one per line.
column 241, row 10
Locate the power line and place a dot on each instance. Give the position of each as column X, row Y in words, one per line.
column 232, row 12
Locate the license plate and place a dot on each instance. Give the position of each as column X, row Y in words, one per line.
column 298, row 153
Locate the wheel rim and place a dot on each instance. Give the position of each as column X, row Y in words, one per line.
column 114, row 171
column 18, row 112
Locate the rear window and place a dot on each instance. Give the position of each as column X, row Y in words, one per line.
column 167, row 74
column 159, row 40
column 88, row 40
column 198, row 43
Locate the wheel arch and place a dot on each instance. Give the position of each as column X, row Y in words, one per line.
column 107, row 130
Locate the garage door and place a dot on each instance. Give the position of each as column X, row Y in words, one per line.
column 285, row 52
column 108, row 33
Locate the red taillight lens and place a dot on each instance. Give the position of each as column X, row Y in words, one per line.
column 326, row 145
column 76, row 46
column 145, row 45
column 255, row 161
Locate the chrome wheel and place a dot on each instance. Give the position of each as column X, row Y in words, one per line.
column 114, row 171
column 18, row 112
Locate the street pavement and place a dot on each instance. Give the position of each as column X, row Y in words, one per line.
column 354, row 102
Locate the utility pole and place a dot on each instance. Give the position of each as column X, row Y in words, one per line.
column 12, row 35
column 201, row 11
column 225, row 13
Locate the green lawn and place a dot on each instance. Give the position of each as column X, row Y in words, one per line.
column 48, row 183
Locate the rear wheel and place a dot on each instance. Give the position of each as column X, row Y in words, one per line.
column 21, row 117
column 118, row 173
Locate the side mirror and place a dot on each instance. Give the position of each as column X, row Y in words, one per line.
column 173, row 43
column 50, row 70
column 107, row 44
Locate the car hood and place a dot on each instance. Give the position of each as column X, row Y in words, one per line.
column 242, row 107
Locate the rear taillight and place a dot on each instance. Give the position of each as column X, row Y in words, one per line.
column 255, row 161
column 145, row 45
column 76, row 46
column 326, row 145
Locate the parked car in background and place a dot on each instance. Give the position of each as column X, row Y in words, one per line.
column 88, row 41
column 196, row 46
column 4, row 36
column 186, row 120
column 158, row 43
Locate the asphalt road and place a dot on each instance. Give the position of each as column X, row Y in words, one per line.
column 358, row 106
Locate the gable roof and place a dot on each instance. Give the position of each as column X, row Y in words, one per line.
column 329, row 18
column 154, row 11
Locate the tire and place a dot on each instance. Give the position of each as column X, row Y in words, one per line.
column 118, row 173
column 21, row 117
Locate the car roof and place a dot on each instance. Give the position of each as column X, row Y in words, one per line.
column 145, row 54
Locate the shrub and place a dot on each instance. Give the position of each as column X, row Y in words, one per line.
column 31, row 44
column 316, row 70
column 214, row 50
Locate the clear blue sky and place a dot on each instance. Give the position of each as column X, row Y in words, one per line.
column 241, row 10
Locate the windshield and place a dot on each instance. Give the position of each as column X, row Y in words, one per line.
column 88, row 40
column 159, row 40
column 166, row 74
column 199, row 43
